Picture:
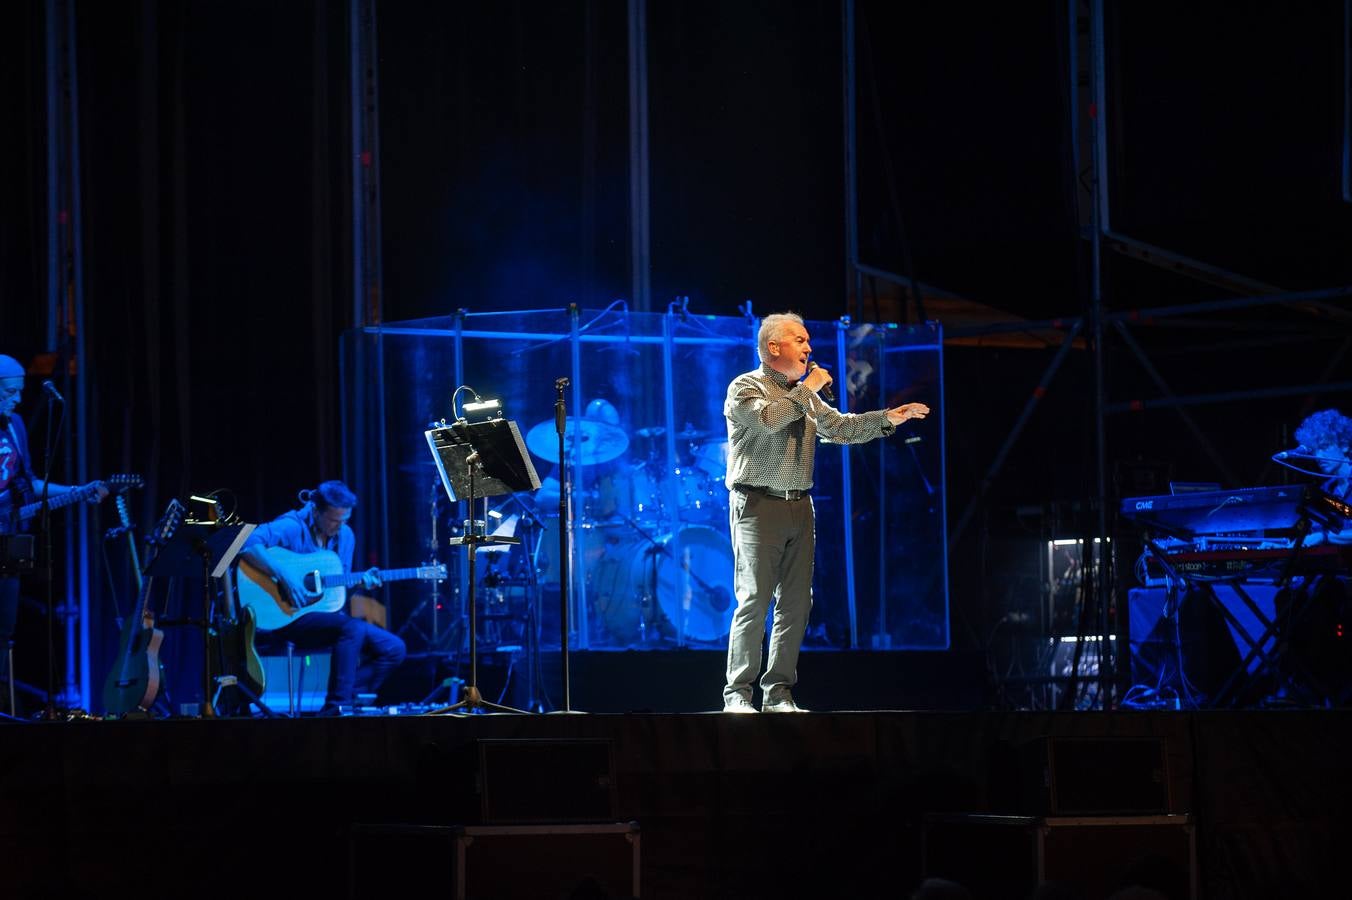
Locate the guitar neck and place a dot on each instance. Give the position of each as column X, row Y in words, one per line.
column 74, row 495
column 354, row 578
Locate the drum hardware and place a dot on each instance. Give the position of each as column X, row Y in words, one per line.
column 434, row 593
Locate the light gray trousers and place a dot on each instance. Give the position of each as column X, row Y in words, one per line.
column 773, row 542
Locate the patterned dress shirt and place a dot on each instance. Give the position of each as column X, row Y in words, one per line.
column 773, row 428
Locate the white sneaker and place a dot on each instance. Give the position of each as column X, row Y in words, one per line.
column 783, row 703
column 737, row 704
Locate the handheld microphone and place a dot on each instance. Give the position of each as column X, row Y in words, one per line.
column 50, row 390
column 826, row 393
column 1300, row 452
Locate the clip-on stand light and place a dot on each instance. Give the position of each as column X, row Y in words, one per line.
column 480, row 460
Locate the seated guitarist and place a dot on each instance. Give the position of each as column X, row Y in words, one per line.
column 18, row 484
column 363, row 655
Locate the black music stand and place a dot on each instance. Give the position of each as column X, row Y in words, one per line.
column 202, row 550
column 480, row 460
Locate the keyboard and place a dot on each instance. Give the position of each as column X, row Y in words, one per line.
column 1257, row 513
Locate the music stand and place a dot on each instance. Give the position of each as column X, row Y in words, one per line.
column 480, row 460
column 201, row 550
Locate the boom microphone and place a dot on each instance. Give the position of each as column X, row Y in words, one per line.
column 50, row 390
column 1300, row 452
column 827, row 394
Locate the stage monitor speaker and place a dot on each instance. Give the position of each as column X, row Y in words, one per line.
column 553, row 781
column 502, row 862
column 1066, row 776
column 1091, row 857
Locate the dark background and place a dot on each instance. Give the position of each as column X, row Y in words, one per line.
column 217, row 218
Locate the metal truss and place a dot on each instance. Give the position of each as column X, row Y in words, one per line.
column 1315, row 310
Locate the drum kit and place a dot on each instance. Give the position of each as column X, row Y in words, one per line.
column 649, row 544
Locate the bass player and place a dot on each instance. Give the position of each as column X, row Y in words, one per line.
column 18, row 484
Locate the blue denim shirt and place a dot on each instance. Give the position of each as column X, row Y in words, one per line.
column 294, row 531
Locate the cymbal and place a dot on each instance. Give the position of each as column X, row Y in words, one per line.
column 691, row 434
column 653, row 432
column 599, row 441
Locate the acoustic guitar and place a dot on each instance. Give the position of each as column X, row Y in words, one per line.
column 321, row 577
column 137, row 673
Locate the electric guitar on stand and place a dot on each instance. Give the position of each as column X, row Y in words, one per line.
column 320, row 575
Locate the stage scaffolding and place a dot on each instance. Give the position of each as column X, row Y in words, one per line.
column 650, row 555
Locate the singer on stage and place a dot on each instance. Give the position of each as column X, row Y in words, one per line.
column 774, row 416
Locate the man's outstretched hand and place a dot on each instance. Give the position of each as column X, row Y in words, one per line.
column 907, row 411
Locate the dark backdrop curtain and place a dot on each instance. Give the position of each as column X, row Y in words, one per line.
column 216, row 229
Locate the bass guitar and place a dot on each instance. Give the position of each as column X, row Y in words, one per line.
column 137, row 673
column 114, row 484
column 321, row 577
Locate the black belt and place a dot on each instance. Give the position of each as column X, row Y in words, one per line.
column 770, row 492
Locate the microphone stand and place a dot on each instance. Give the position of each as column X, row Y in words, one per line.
column 565, row 526
column 45, row 528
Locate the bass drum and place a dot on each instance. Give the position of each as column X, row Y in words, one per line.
column 679, row 588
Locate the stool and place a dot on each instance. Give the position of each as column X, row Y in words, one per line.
column 279, row 659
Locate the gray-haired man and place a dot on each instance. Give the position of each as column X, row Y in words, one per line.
column 774, row 416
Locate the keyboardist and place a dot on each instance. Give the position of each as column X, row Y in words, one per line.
column 1325, row 438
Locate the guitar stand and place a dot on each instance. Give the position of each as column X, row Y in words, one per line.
column 232, row 681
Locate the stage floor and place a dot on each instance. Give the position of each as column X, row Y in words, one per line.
column 691, row 680
column 822, row 804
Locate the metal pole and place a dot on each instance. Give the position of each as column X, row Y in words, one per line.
column 356, row 81
column 853, row 281
column 640, row 236
column 77, row 689
column 847, row 488
column 943, row 479
column 462, row 581
column 671, row 459
column 882, row 637
column 1099, row 551
column 53, row 169
column 1347, row 100
column 579, row 592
